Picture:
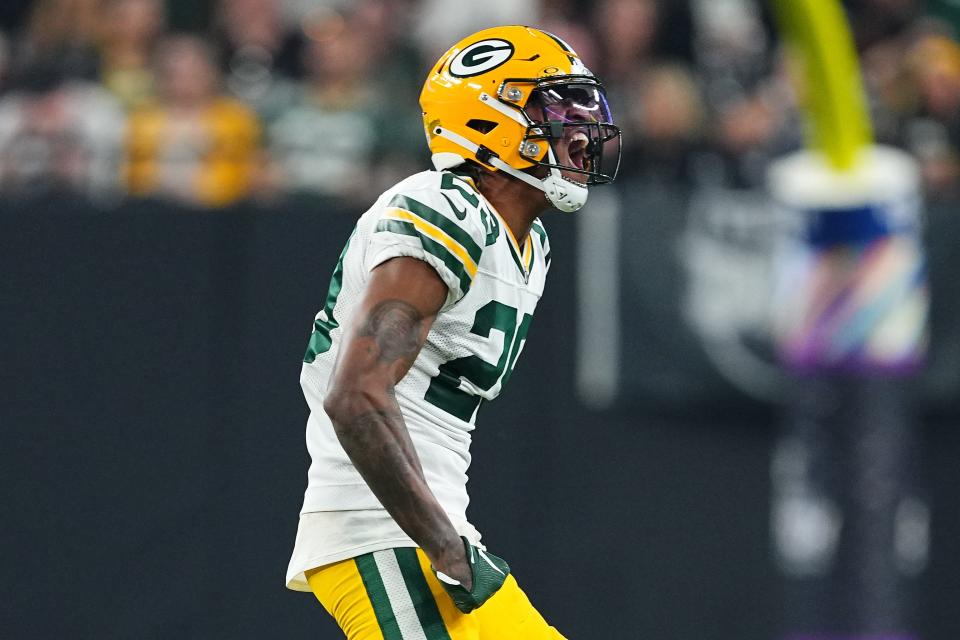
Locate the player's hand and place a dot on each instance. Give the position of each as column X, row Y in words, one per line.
column 488, row 572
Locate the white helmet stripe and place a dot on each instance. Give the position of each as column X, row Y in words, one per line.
column 456, row 138
column 563, row 43
column 511, row 113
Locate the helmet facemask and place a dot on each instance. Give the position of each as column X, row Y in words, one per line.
column 569, row 132
column 573, row 120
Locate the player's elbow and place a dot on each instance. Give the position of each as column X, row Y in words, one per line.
column 335, row 406
column 345, row 406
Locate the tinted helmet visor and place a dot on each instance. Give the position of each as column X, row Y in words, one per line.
column 575, row 120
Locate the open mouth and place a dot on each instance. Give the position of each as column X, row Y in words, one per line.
column 577, row 150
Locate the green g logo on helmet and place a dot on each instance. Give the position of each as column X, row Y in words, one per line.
column 480, row 57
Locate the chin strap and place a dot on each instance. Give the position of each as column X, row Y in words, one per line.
column 565, row 195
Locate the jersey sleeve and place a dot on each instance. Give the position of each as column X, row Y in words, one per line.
column 422, row 225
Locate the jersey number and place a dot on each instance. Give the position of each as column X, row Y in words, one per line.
column 444, row 390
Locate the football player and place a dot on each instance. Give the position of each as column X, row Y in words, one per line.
column 427, row 312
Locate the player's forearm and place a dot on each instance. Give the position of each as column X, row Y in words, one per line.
column 364, row 411
column 372, row 432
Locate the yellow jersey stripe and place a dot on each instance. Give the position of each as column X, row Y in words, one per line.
column 436, row 234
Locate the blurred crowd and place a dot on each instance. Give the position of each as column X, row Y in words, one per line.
column 210, row 103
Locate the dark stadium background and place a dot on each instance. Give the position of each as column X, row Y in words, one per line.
column 151, row 418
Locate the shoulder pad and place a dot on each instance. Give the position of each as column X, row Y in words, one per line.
column 445, row 223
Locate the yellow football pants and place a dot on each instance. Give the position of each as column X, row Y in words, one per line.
column 393, row 595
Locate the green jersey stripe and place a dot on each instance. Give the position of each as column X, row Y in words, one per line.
column 377, row 593
column 441, row 221
column 540, row 231
column 432, row 247
column 516, row 258
column 423, row 602
column 320, row 341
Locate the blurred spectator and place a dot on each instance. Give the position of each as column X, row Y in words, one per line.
column 193, row 144
column 387, row 27
column 260, row 54
column 624, row 53
column 732, row 49
column 440, row 23
column 889, row 86
column 400, row 69
column 935, row 61
column 61, row 32
column 751, row 112
column 59, row 136
column 129, row 32
column 875, row 20
column 664, row 120
column 752, row 130
column 694, row 84
column 629, row 30
column 913, row 77
column 344, row 124
column 934, row 134
column 562, row 18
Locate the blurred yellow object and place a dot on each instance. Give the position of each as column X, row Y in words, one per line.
column 835, row 100
column 207, row 157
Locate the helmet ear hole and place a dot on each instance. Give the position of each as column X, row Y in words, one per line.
column 483, row 126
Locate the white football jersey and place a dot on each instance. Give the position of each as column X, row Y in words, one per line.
column 469, row 354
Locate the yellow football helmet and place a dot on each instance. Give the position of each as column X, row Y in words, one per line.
column 511, row 98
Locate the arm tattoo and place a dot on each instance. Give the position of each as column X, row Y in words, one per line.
column 394, row 326
column 370, row 426
column 380, row 448
column 383, row 460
